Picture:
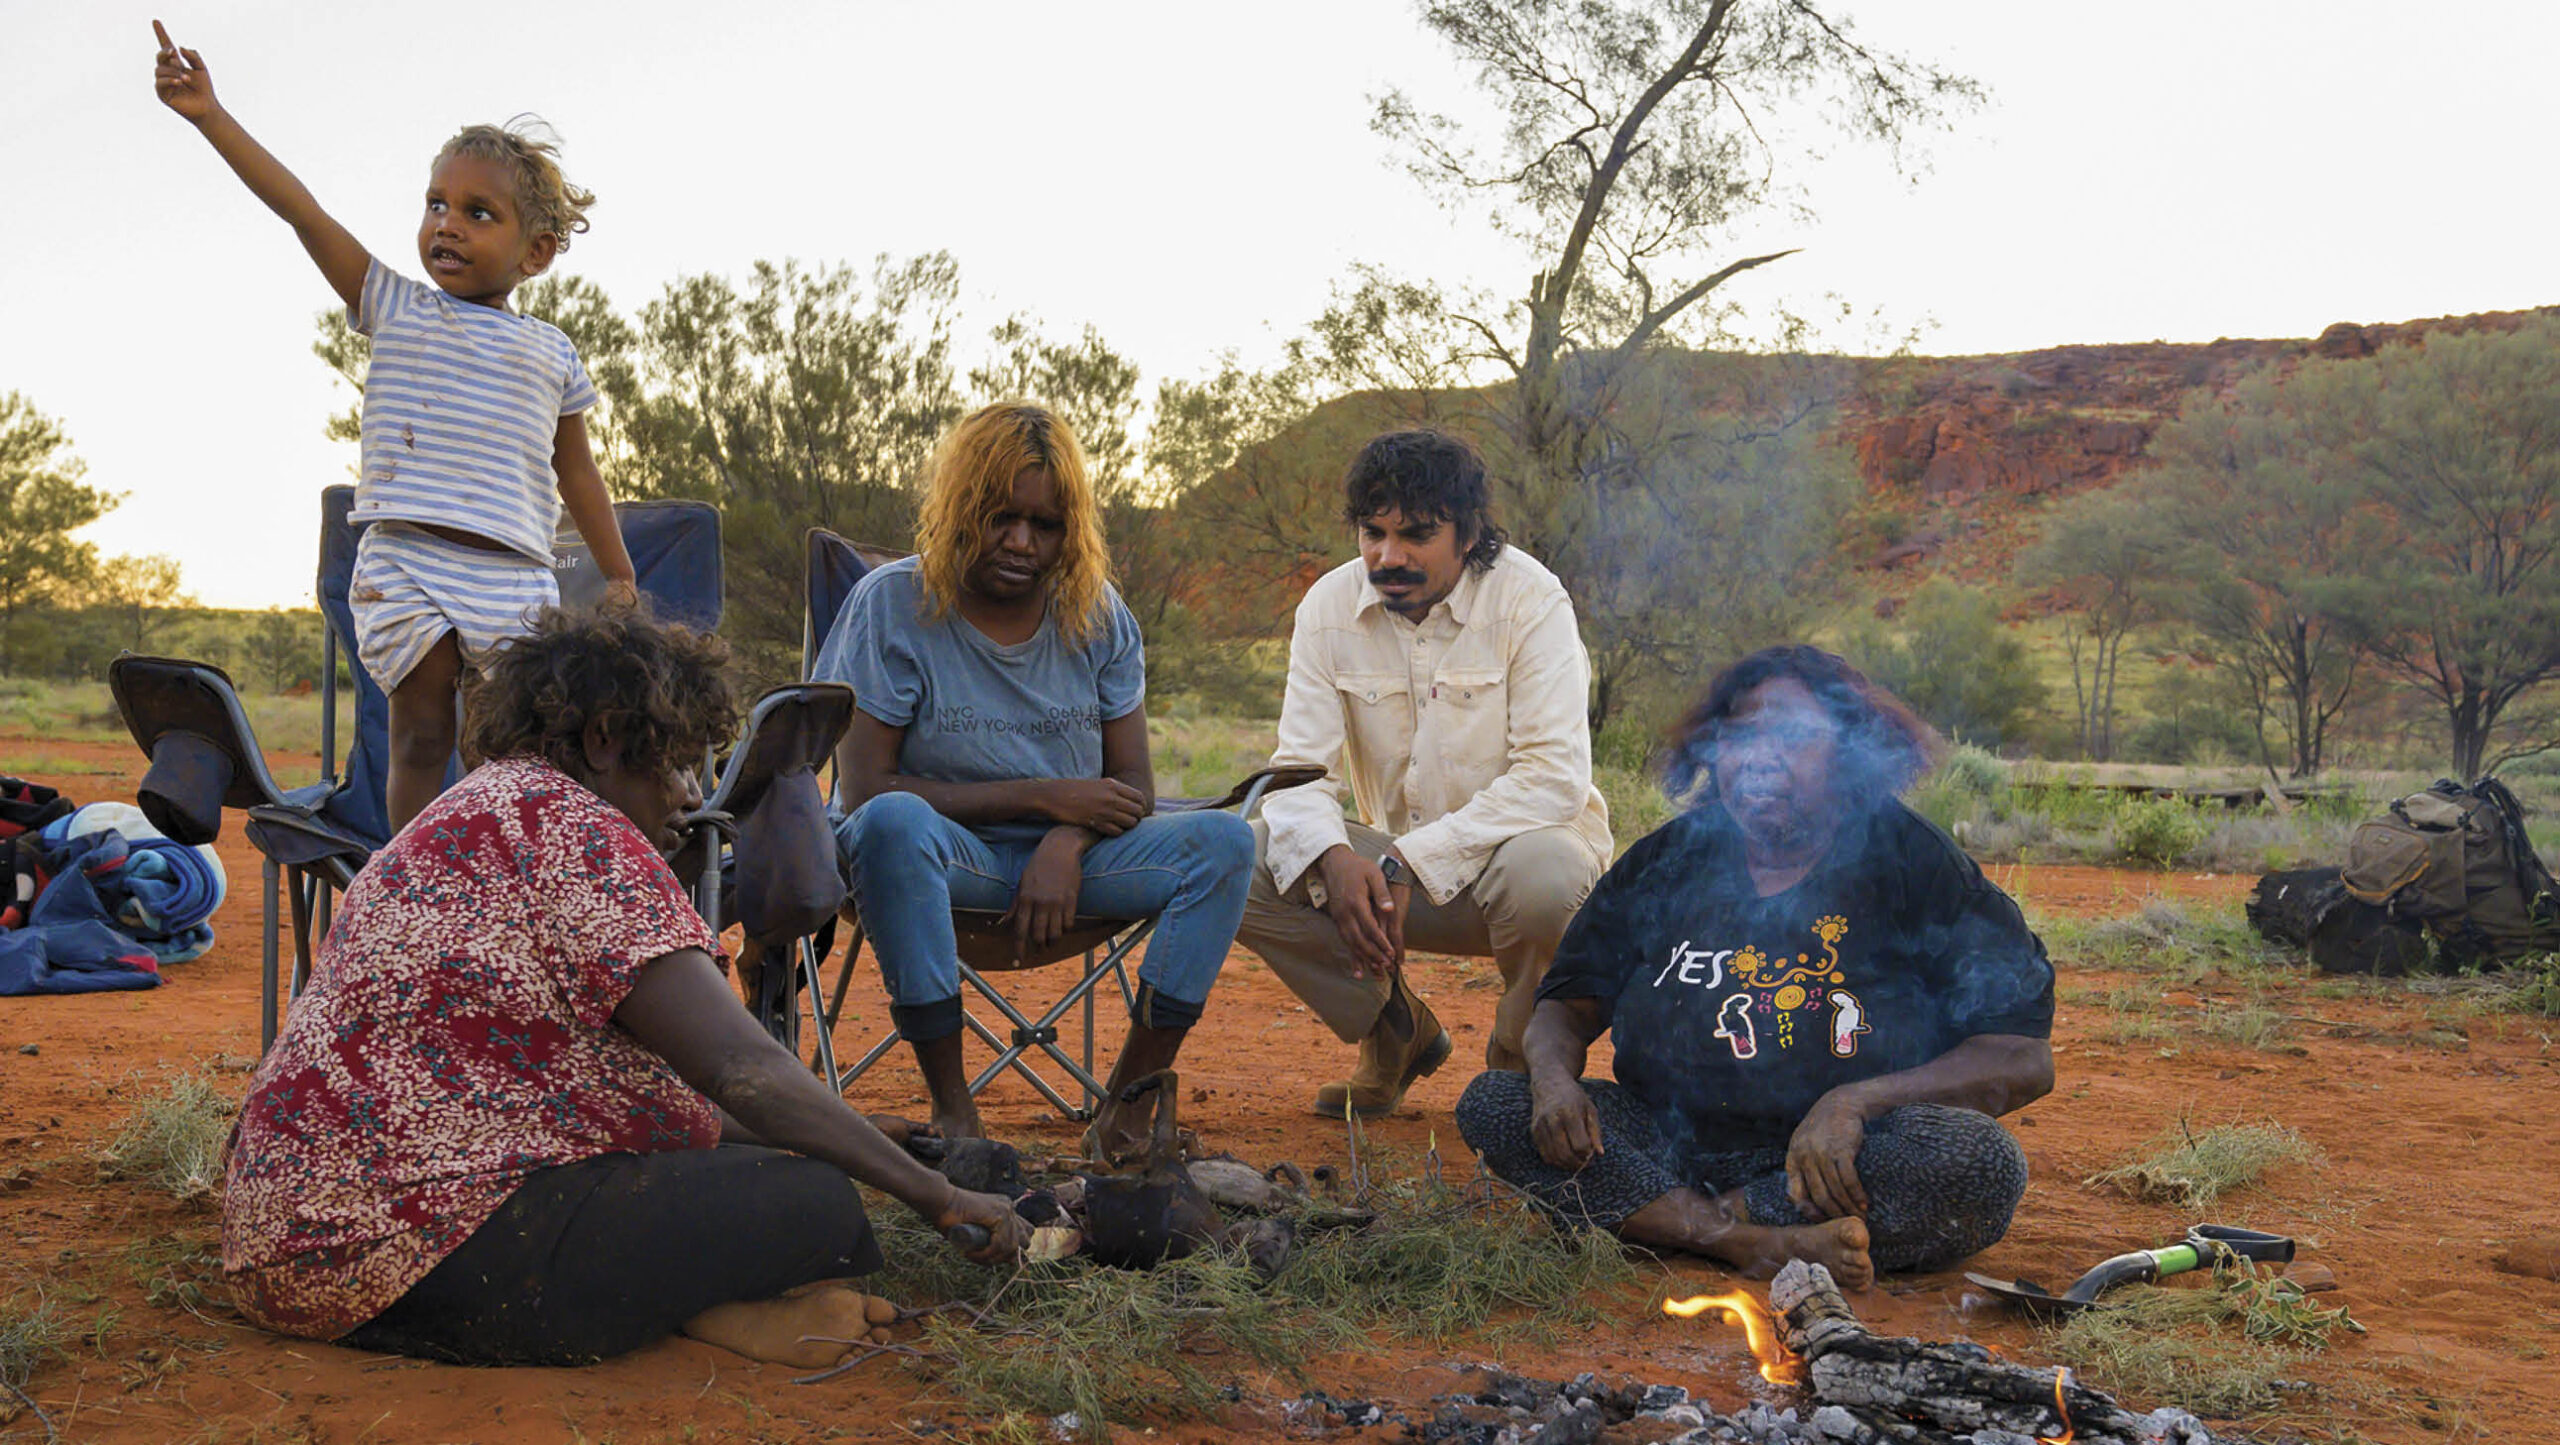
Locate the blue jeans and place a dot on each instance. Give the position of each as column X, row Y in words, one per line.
column 911, row 866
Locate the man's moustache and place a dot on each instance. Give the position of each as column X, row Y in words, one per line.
column 1395, row 578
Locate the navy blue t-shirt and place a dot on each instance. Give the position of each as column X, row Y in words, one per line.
column 1731, row 1014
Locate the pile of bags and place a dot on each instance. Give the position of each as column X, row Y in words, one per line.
column 2445, row 877
column 96, row 898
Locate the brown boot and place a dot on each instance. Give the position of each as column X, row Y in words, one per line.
column 1404, row 1045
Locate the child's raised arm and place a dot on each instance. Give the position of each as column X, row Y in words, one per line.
column 185, row 86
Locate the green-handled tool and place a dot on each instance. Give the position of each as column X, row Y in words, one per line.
column 2200, row 1247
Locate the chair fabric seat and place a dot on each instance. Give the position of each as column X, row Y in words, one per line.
column 986, row 940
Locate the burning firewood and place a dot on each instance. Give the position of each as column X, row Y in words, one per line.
column 1897, row 1389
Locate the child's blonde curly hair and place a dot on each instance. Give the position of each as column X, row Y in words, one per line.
column 531, row 153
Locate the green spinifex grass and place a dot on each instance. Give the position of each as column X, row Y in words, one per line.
column 1109, row 1345
column 173, row 1140
column 2194, row 1169
column 2220, row 1348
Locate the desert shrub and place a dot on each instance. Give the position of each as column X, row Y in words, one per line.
column 173, row 1140
column 2157, row 831
column 1950, row 657
column 2193, row 1170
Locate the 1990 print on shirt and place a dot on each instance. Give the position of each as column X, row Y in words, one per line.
column 1731, row 1014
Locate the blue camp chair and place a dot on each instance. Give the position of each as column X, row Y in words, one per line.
column 986, row 942
column 186, row 717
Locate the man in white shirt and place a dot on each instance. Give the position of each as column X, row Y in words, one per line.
column 1440, row 676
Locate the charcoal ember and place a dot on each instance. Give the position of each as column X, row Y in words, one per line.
column 1039, row 1207
column 1467, row 1422
column 1514, row 1392
column 1658, row 1398
column 1839, row 1424
column 1579, row 1424
column 1336, row 1414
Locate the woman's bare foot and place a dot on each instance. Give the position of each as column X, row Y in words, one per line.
column 1720, row 1229
column 1838, row 1245
column 808, row 1328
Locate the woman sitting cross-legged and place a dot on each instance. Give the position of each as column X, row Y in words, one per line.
column 518, row 1116
column 998, row 759
column 1818, row 1004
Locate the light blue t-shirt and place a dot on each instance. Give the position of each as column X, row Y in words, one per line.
column 976, row 711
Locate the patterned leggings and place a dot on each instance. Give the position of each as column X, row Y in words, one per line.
column 1941, row 1183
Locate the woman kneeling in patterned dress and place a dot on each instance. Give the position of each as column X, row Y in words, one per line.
column 518, row 1116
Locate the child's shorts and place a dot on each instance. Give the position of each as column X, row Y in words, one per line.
column 411, row 587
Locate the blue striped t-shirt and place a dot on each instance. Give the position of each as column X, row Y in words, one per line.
column 462, row 406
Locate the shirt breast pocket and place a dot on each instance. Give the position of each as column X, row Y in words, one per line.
column 1378, row 706
column 1475, row 726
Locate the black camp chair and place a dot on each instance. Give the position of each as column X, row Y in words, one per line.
column 186, row 717
column 760, row 850
column 1105, row 945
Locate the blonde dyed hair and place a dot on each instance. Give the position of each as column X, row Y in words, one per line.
column 972, row 480
column 548, row 201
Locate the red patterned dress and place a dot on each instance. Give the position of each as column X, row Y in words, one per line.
column 456, row 1036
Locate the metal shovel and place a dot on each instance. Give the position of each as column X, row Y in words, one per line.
column 2200, row 1247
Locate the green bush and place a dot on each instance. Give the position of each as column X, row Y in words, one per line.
column 2158, row 831
column 1949, row 656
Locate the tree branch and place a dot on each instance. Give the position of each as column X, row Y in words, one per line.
column 1664, row 314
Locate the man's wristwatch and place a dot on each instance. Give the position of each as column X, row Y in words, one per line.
column 1397, row 875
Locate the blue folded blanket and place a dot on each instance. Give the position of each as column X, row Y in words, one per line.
column 104, row 900
column 80, row 957
column 159, row 893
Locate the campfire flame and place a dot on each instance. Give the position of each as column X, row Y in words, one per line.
column 1778, row 1364
column 2061, row 1377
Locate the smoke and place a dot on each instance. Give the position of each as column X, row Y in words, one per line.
column 1891, row 951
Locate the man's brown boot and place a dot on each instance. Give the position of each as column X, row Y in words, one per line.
column 1405, row 1044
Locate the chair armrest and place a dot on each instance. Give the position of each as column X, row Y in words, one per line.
column 1248, row 789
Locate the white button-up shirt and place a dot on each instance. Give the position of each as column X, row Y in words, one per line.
column 1454, row 734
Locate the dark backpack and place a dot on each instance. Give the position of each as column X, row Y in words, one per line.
column 2311, row 910
column 2456, row 860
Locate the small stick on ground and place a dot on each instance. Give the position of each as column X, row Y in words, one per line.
column 36, row 1410
column 862, row 1355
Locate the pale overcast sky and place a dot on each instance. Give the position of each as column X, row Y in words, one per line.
column 1188, row 177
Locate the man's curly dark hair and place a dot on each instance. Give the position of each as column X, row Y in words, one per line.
column 658, row 687
column 1429, row 476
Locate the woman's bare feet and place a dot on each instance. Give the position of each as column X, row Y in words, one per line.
column 1838, row 1245
column 808, row 1328
column 1720, row 1229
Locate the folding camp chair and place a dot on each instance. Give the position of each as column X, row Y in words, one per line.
column 186, row 717
column 986, row 942
column 760, row 849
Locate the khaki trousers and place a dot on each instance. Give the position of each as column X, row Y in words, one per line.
column 1514, row 912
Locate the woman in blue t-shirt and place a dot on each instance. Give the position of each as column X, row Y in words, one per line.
column 998, row 759
column 1818, row 1005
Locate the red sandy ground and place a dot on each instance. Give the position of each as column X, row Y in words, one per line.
column 2436, row 1157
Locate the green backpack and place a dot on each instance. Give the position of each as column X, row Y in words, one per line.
column 2456, row 860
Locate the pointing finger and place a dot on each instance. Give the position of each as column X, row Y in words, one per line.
column 167, row 45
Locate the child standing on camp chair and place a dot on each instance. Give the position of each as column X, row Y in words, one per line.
column 471, row 411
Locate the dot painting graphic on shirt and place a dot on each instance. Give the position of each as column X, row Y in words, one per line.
column 1775, row 988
